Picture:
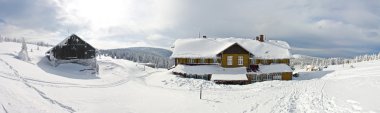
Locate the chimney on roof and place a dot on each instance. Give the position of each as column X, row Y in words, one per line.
column 261, row 39
column 204, row 36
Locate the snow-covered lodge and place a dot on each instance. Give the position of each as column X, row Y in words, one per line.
column 73, row 49
column 232, row 60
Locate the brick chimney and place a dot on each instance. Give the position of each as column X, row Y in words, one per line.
column 261, row 39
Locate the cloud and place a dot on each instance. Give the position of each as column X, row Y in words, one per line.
column 32, row 14
column 304, row 24
column 154, row 37
column 314, row 27
column 2, row 21
column 30, row 35
column 36, row 20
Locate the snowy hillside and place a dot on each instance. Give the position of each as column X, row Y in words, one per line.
column 147, row 50
column 123, row 86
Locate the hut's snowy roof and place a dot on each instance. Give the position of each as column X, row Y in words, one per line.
column 64, row 41
column 274, row 68
column 210, row 47
column 229, row 77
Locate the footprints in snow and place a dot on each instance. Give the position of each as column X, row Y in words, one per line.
column 252, row 109
column 355, row 105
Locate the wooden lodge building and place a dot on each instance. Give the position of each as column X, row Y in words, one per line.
column 261, row 59
column 73, row 49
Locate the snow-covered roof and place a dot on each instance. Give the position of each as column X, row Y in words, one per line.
column 274, row 68
column 208, row 69
column 229, row 77
column 64, row 41
column 210, row 47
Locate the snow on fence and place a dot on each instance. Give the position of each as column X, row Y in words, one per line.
column 264, row 77
column 196, row 76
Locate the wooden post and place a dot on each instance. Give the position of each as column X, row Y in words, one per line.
column 200, row 93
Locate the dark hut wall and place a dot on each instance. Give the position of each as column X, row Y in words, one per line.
column 74, row 48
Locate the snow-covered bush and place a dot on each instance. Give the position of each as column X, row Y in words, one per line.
column 23, row 54
column 1, row 38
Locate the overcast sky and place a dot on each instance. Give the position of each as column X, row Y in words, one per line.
column 324, row 28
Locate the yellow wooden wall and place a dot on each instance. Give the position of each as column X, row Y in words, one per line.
column 287, row 75
column 269, row 61
column 246, row 61
column 198, row 60
column 235, row 60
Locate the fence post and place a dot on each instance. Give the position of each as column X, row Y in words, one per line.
column 200, row 93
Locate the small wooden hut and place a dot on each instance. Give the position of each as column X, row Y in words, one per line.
column 73, row 49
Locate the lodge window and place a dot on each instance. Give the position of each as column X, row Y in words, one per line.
column 269, row 77
column 265, row 62
column 252, row 60
column 229, row 60
column 277, row 61
column 240, row 60
column 264, row 77
column 202, row 60
column 277, row 76
column 216, row 60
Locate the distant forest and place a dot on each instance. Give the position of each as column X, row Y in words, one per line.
column 157, row 56
column 302, row 61
column 39, row 43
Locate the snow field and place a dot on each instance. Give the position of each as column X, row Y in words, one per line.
column 123, row 86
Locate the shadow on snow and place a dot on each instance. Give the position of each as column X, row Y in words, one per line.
column 69, row 70
column 311, row 75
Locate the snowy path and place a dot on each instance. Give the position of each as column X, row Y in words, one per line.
column 298, row 98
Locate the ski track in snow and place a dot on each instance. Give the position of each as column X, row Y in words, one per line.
column 294, row 98
column 5, row 110
column 42, row 94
